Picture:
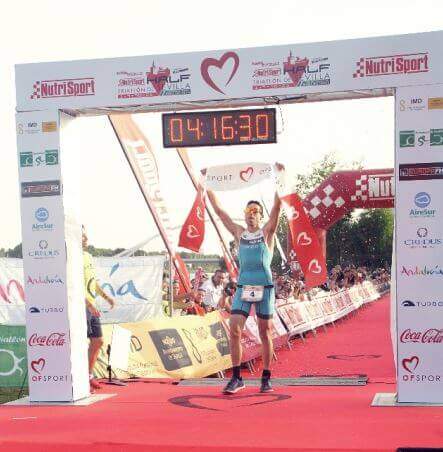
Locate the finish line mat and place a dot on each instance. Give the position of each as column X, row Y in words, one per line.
column 359, row 380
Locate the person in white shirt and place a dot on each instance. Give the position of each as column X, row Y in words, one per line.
column 213, row 288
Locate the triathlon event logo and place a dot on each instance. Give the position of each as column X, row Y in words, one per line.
column 413, row 63
column 157, row 81
column 76, row 87
column 290, row 73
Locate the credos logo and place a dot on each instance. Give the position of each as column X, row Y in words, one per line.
column 423, row 241
column 412, row 63
column 63, row 88
column 43, row 252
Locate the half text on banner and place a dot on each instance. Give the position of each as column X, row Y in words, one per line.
column 305, row 242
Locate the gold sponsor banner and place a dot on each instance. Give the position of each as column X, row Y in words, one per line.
column 178, row 347
column 435, row 103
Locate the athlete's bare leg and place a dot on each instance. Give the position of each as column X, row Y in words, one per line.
column 236, row 325
column 264, row 329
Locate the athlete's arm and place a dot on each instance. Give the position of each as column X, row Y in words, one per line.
column 271, row 226
column 234, row 228
column 104, row 295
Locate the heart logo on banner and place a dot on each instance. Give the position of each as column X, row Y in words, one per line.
column 314, row 266
column 292, row 213
column 246, row 174
column 158, row 80
column 219, row 64
column 38, row 365
column 192, row 232
column 303, row 239
column 200, row 214
column 410, row 364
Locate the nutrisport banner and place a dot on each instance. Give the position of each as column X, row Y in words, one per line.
column 419, row 243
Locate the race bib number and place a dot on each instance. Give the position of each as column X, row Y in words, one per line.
column 252, row 294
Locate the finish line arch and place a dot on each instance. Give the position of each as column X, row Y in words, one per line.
column 51, row 95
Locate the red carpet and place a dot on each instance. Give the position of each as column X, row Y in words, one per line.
column 164, row 417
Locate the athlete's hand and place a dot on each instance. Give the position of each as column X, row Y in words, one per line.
column 204, row 171
column 111, row 302
column 279, row 166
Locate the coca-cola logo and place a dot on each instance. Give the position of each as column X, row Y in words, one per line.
column 52, row 340
column 430, row 336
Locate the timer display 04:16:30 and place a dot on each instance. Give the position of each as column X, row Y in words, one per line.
column 219, row 128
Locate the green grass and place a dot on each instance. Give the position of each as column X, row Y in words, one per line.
column 10, row 394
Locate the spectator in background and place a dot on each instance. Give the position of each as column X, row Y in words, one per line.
column 213, row 288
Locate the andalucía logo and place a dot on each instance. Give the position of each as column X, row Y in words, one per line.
column 45, row 280
column 436, row 270
column 292, row 72
column 412, row 63
column 64, row 88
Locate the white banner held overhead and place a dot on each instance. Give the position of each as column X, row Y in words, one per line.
column 238, row 176
column 419, row 243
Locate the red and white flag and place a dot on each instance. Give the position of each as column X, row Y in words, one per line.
column 193, row 230
column 304, row 240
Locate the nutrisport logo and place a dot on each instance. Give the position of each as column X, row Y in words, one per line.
column 156, row 81
column 412, row 371
column 70, row 87
column 292, row 72
column 404, row 64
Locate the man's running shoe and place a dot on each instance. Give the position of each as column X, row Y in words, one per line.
column 94, row 384
column 266, row 385
column 234, row 385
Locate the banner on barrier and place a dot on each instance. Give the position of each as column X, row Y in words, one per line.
column 178, row 347
column 13, row 362
column 134, row 282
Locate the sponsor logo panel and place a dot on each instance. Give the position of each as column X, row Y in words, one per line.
column 412, row 104
column 422, row 201
column 403, row 64
column 424, row 239
column 40, row 372
column 421, row 171
column 413, row 138
column 40, row 188
column 45, row 89
column 49, row 157
column 412, row 371
column 420, row 304
column 44, row 251
column 421, row 271
column 42, row 216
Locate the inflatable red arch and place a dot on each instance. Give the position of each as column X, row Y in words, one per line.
column 344, row 191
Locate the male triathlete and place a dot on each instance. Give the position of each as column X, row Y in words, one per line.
column 255, row 286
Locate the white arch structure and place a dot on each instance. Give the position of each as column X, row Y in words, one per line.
column 51, row 95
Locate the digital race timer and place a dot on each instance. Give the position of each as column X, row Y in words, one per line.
column 219, row 128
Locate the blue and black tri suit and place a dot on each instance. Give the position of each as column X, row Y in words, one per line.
column 255, row 270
